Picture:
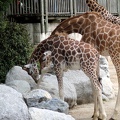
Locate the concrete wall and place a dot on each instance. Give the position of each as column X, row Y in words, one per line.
column 34, row 30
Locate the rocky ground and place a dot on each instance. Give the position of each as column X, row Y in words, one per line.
column 84, row 112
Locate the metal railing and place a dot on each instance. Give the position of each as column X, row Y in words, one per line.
column 53, row 7
column 22, row 7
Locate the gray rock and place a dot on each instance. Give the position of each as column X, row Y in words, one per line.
column 34, row 97
column 50, row 84
column 20, row 85
column 76, row 84
column 107, row 89
column 104, row 68
column 17, row 73
column 43, row 114
column 12, row 105
column 82, row 85
column 54, row 105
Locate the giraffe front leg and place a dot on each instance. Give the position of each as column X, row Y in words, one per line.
column 59, row 75
column 102, row 115
column 96, row 112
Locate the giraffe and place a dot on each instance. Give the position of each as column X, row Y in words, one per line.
column 66, row 54
column 101, row 34
column 94, row 6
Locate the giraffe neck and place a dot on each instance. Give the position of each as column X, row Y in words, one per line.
column 94, row 6
column 44, row 46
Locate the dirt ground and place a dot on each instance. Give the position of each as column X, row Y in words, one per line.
column 84, row 112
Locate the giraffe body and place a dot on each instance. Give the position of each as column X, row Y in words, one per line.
column 94, row 6
column 100, row 33
column 67, row 53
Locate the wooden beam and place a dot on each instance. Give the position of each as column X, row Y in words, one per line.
column 74, row 8
column 119, row 7
column 42, row 16
column 71, row 7
column 46, row 16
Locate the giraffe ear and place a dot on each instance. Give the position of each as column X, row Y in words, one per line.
column 26, row 67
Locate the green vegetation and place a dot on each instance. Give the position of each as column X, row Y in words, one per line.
column 14, row 43
column 3, row 6
column 14, row 47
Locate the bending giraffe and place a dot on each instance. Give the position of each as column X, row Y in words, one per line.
column 94, row 6
column 67, row 53
column 101, row 34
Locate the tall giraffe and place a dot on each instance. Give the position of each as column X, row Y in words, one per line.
column 94, row 6
column 68, row 53
column 101, row 34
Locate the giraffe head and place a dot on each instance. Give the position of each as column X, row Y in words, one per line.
column 32, row 70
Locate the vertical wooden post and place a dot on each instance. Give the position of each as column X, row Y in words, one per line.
column 119, row 7
column 42, row 17
column 71, row 7
column 46, row 16
column 108, row 5
column 74, row 7
column 42, row 20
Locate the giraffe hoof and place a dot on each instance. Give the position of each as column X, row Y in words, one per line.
column 98, row 117
column 111, row 119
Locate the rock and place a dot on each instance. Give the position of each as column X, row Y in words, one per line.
column 17, row 73
column 12, row 105
column 34, row 97
column 77, row 87
column 50, row 84
column 107, row 89
column 104, row 68
column 20, row 85
column 82, row 85
column 54, row 105
column 43, row 114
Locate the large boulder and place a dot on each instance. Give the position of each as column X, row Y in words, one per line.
column 76, row 83
column 104, row 67
column 20, row 85
column 17, row 73
column 54, row 105
column 43, row 114
column 12, row 105
column 35, row 97
column 50, row 84
column 42, row 99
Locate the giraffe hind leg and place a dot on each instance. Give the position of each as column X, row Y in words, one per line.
column 116, row 62
column 97, row 93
